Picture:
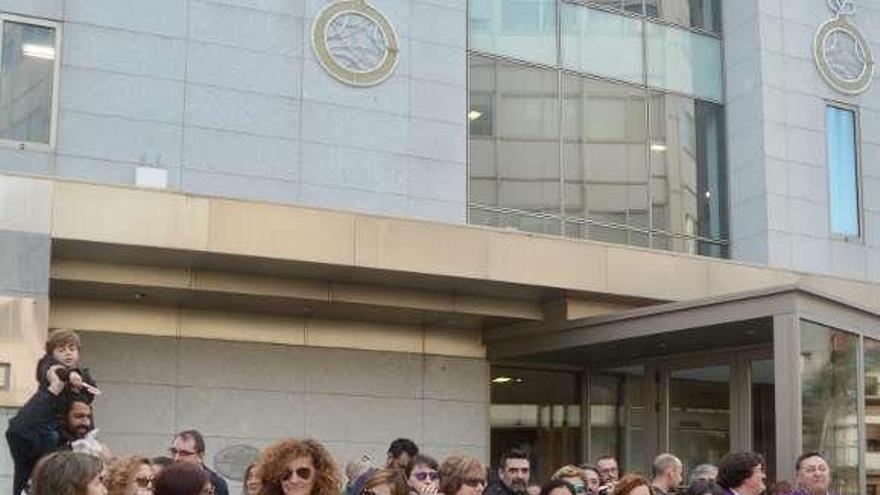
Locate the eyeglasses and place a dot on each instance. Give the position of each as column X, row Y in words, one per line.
column 474, row 482
column 180, row 453
column 579, row 488
column 143, row 481
column 424, row 475
column 302, row 473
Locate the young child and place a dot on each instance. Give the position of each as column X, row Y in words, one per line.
column 63, row 348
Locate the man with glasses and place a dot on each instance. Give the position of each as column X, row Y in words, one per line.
column 423, row 478
column 189, row 446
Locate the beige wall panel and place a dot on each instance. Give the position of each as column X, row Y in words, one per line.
column 113, row 317
column 259, row 229
column 422, row 247
column 544, row 261
column 582, row 308
column 25, row 204
column 492, row 306
column 856, row 292
column 643, row 273
column 726, row 278
column 249, row 327
column 454, row 342
column 261, row 285
column 130, row 216
column 68, row 269
column 381, row 296
column 363, row 335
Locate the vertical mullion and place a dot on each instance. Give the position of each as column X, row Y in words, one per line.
column 559, row 118
column 861, row 416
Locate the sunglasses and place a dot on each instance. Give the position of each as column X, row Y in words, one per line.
column 579, row 488
column 302, row 473
column 424, row 475
column 474, row 482
column 143, row 481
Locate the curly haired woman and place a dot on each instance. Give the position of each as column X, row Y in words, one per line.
column 299, row 467
column 131, row 475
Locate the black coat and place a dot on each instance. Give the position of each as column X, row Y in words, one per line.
column 219, row 483
column 27, row 443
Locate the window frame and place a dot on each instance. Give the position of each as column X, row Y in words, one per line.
column 857, row 147
column 56, row 78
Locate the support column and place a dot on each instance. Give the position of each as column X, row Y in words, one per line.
column 786, row 369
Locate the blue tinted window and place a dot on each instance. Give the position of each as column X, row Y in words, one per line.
column 842, row 171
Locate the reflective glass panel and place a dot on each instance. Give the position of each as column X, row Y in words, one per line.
column 829, row 401
column 26, row 82
column 872, row 414
column 538, row 410
column 764, row 413
column 843, row 173
column 524, row 29
column 703, row 14
column 514, row 159
column 688, row 172
column 617, row 416
column 602, row 43
column 604, row 155
column 699, row 414
column 684, row 61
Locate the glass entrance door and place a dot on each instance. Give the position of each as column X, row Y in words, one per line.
column 699, row 414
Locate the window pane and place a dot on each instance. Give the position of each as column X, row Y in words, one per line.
column 688, row 173
column 764, row 413
column 605, row 155
column 872, row 413
column 703, row 14
column 842, row 171
column 617, row 416
column 683, row 61
column 588, row 34
column 523, row 29
column 830, row 414
column 699, row 414
column 514, row 160
column 26, row 82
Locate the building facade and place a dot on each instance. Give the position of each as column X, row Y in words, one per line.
column 620, row 226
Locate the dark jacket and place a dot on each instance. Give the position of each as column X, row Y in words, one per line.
column 498, row 487
column 68, row 395
column 27, row 443
column 219, row 483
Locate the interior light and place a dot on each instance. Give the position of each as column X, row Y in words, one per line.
column 708, row 194
column 38, row 51
column 474, row 114
column 658, row 147
column 502, row 379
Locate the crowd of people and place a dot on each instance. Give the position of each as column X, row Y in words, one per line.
column 53, row 445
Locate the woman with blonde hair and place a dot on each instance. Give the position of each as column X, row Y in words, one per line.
column 299, row 467
column 574, row 476
column 462, row 475
column 132, row 475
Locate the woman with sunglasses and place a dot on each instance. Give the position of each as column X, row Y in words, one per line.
column 299, row 467
column 462, row 475
column 423, row 477
column 131, row 475
column 574, row 476
column 68, row 473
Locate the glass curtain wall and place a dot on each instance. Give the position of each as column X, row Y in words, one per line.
column 617, row 416
column 597, row 124
column 872, row 414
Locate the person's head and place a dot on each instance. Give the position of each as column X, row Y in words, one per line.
column 76, row 420
column 462, row 475
column 704, row 487
column 533, row 489
column 383, row 482
column 608, row 471
column 401, row 452
column 160, row 463
column 514, row 470
column 68, row 473
column 591, row 475
column 424, row 472
column 188, row 446
column 558, row 486
column 781, row 487
column 667, row 471
column 299, row 467
column 132, row 475
column 355, row 468
column 704, row 472
column 252, row 483
column 632, row 484
column 64, row 345
column 572, row 475
column 742, row 472
column 182, row 478
column 813, row 473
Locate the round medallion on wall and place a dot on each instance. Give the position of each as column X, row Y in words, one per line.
column 843, row 55
column 232, row 461
column 355, row 43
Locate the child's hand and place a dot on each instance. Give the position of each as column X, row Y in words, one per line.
column 56, row 385
column 75, row 379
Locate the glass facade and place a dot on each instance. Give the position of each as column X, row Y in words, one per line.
column 617, row 416
column 872, row 414
column 843, row 171
column 27, row 80
column 606, row 127
column 699, row 414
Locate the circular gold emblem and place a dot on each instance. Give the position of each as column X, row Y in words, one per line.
column 355, row 43
column 843, row 56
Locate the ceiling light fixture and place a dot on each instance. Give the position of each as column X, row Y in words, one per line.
column 474, row 114
column 38, row 51
column 658, row 147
